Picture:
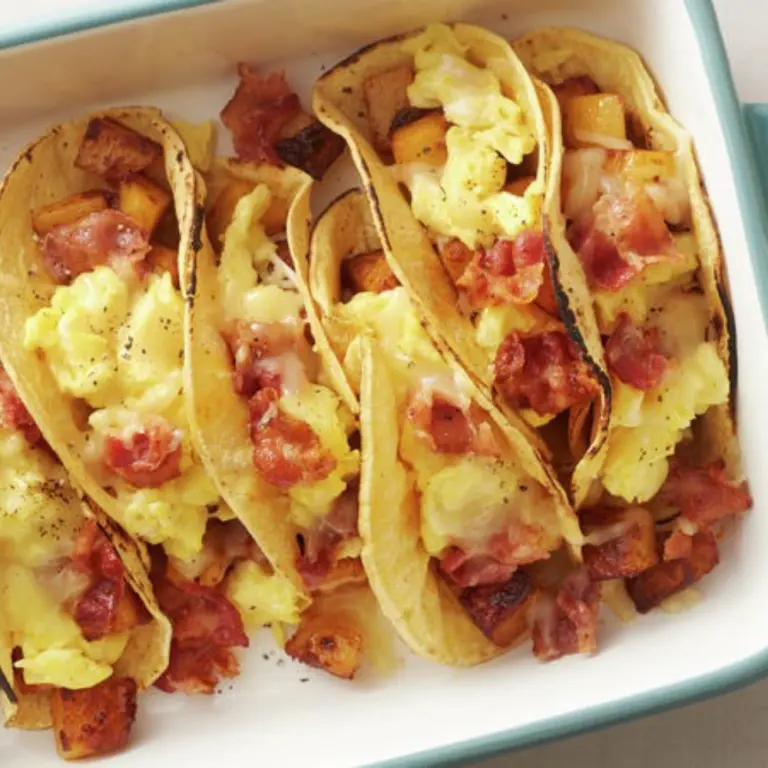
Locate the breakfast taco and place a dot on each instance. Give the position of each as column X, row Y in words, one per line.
column 93, row 217
column 457, row 512
column 633, row 216
column 80, row 629
column 447, row 130
column 277, row 429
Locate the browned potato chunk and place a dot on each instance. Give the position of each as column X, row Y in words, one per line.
column 575, row 86
column 69, row 210
column 130, row 612
column 111, row 150
column 144, row 201
column 500, row 611
column 644, row 166
column 625, row 542
column 590, row 120
column 368, row 272
column 344, row 572
column 221, row 212
column 325, row 642
column 421, row 140
column 162, row 259
column 386, row 93
column 519, row 186
column 313, row 149
column 93, row 721
column 455, row 257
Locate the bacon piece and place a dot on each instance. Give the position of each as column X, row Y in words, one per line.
column 448, row 428
column 629, row 545
column 206, row 626
column 14, row 414
column 456, row 257
column 93, row 721
column 500, row 611
column 652, row 587
column 256, row 352
column 568, row 623
column 261, row 107
column 705, row 496
column 286, row 451
column 511, row 271
column 520, row 544
column 146, row 457
column 320, row 543
column 314, row 149
column 679, row 546
column 543, row 372
column 105, row 237
column 633, row 355
column 108, row 605
column 621, row 237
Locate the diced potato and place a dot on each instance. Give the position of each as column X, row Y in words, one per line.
column 220, row 213
column 422, row 140
column 328, row 643
column 130, row 612
column 162, row 259
column 93, row 721
column 144, row 201
column 111, row 150
column 313, row 149
column 573, row 88
column 368, row 272
column 704, row 554
column 654, row 586
column 644, row 166
column 69, row 210
column 500, row 611
column 275, row 217
column 455, row 257
column 344, row 572
column 624, row 542
column 519, row 186
column 386, row 93
column 591, row 118
column 298, row 124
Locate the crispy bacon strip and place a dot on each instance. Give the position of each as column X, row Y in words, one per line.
column 543, row 372
column 105, row 237
column 260, row 108
column 707, row 495
column 286, row 452
column 633, row 355
column 621, row 237
column 448, row 428
column 567, row 624
column 206, row 626
column 13, row 413
column 511, row 271
column 320, row 544
column 146, row 458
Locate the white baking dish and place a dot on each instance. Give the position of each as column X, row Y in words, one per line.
column 278, row 712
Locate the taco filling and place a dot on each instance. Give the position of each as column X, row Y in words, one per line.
column 69, row 612
column 475, row 175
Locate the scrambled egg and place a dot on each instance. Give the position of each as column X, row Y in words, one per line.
column 494, row 324
column 119, row 346
column 488, row 130
column 40, row 516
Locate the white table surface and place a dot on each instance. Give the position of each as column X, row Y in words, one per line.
column 729, row 732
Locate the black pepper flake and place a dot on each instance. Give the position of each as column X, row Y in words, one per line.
column 303, row 679
column 523, row 488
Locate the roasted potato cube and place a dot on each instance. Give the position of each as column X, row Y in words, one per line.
column 313, row 149
column 298, row 124
column 368, row 272
column 69, row 210
column 386, row 93
column 144, row 201
column 327, row 642
column 624, row 542
column 652, row 587
column 704, row 554
column 519, row 186
column 221, row 212
column 644, row 166
column 130, row 612
column 93, row 721
column 113, row 151
column 574, row 87
column 500, row 611
column 162, row 259
column 455, row 257
column 590, row 119
column 421, row 140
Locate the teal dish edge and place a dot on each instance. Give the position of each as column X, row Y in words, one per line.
column 746, row 135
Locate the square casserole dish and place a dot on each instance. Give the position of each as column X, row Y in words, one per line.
column 184, row 62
